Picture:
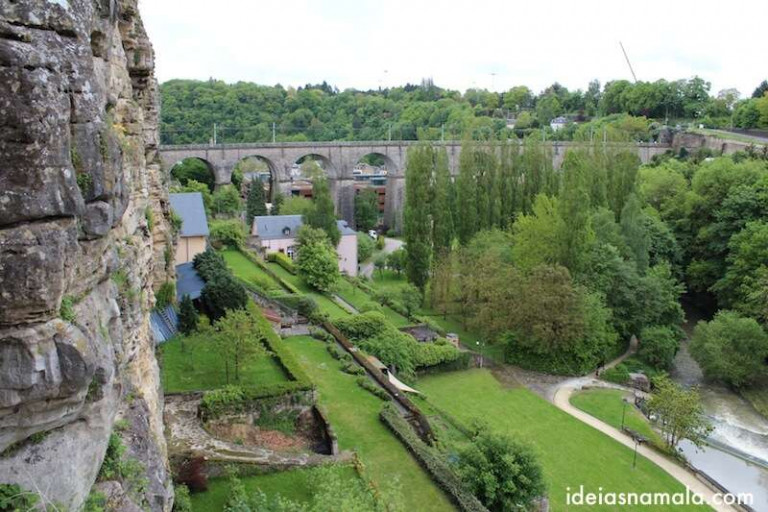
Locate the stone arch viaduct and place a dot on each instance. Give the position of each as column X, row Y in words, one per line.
column 339, row 160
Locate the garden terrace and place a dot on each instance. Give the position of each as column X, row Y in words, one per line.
column 571, row 452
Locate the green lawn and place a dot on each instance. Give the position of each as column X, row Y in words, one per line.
column 354, row 414
column 246, row 270
column 293, row 484
column 571, row 452
column 608, row 406
column 200, row 368
column 324, row 302
column 358, row 298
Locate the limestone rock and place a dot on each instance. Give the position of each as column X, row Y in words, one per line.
column 78, row 135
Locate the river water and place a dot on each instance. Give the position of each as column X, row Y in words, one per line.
column 737, row 426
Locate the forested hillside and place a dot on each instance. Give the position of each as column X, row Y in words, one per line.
column 248, row 112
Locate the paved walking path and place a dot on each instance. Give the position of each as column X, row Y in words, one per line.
column 390, row 245
column 561, row 397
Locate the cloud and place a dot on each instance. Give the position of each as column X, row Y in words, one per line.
column 364, row 43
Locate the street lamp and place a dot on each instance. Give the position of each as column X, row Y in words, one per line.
column 480, row 345
column 623, row 412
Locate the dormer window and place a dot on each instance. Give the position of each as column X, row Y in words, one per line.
column 286, row 231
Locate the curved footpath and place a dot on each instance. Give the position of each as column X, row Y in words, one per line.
column 561, row 397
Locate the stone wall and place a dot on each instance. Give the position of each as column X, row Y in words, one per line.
column 83, row 233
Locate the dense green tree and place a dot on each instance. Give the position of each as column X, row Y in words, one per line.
column 239, row 338
column 226, row 201
column 411, row 299
column 193, row 169
column 256, row 203
column 365, row 247
column 223, row 293
column 633, row 227
column 322, row 215
column 538, row 236
column 442, row 207
column 295, row 205
column 747, row 264
column 196, row 186
column 680, row 413
column 225, row 232
column 731, row 348
column 317, row 261
column 658, row 346
column 466, row 195
column 188, row 317
column 502, row 473
column 574, row 208
column 417, row 218
column 366, row 209
column 277, row 204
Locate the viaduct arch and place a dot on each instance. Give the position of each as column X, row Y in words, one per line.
column 341, row 159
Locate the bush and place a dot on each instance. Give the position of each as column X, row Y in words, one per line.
column 165, row 296
column 282, row 260
column 365, row 246
column 619, row 374
column 367, row 384
column 321, row 334
column 352, row 368
column 439, row 469
column 209, row 264
column 13, row 498
column 227, row 232
column 226, row 201
column 67, row 309
column 381, row 242
column 337, row 353
column 181, row 501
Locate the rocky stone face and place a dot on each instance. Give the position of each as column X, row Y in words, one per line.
column 83, row 233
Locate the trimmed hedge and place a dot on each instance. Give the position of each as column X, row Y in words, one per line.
column 282, row 260
column 367, row 384
column 351, row 368
column 321, row 334
column 439, row 469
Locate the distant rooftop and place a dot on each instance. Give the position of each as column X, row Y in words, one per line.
column 189, row 206
column 273, row 227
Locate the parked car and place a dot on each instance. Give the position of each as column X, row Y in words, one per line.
column 373, row 234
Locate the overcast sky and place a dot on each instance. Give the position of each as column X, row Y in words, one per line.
column 366, row 44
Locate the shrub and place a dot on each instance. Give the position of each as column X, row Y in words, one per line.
column 226, row 201
column 619, row 374
column 321, row 334
column 227, row 232
column 352, row 368
column 116, row 466
column 176, row 222
column 439, row 469
column 367, row 384
column 95, row 502
column 150, row 216
column 67, row 309
column 381, row 243
column 336, row 352
column 365, row 247
column 282, row 260
column 166, row 295
column 13, row 498
column 181, row 501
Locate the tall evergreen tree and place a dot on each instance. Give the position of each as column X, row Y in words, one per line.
column 256, row 205
column 322, row 215
column 574, row 209
column 277, row 203
column 417, row 219
column 633, row 228
column 366, row 209
column 187, row 316
column 442, row 209
column 509, row 186
column 466, row 195
column 622, row 172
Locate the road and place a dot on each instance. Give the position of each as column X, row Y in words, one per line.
column 390, row 245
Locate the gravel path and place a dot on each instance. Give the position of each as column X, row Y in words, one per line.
column 390, row 245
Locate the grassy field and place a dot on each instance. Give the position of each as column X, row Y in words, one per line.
column 199, row 367
column 571, row 453
column 246, row 270
column 607, row 405
column 354, row 414
column 294, row 485
column 324, row 302
column 358, row 298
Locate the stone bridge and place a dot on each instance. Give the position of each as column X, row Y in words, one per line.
column 339, row 160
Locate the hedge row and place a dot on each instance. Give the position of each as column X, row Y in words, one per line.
column 438, row 468
column 282, row 260
column 365, row 383
column 250, row 256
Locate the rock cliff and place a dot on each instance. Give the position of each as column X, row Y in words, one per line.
column 84, row 241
